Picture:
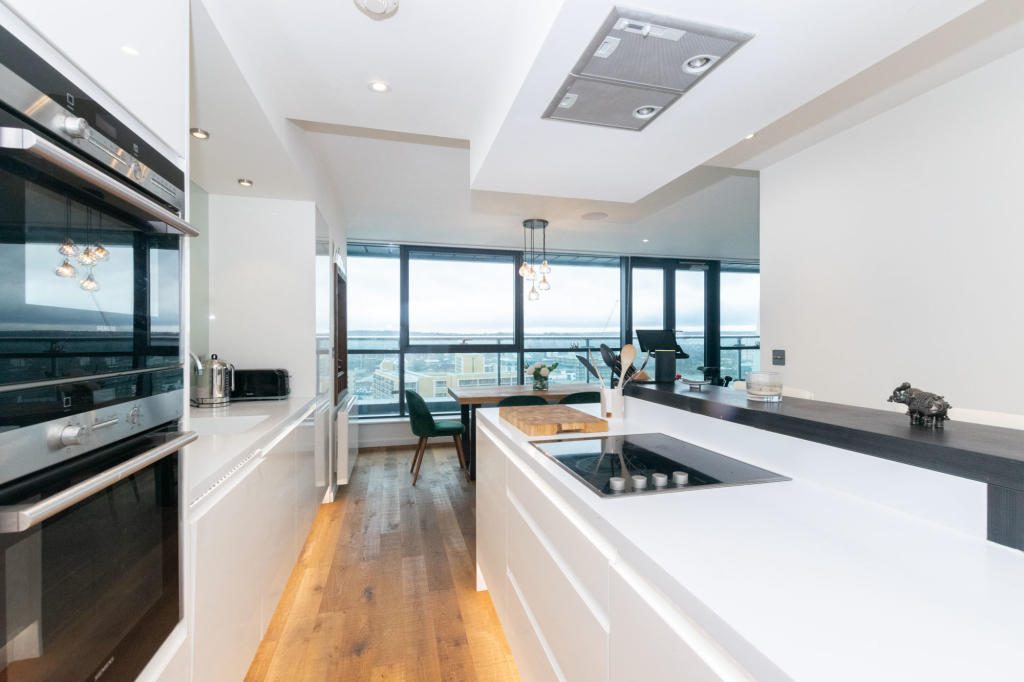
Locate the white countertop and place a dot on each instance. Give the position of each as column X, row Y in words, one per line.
column 800, row 580
column 223, row 445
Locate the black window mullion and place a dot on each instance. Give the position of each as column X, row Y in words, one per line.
column 713, row 317
column 625, row 300
column 403, row 324
column 669, row 298
column 519, row 322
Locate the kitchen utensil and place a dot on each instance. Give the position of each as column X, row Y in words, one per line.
column 640, row 375
column 626, row 358
column 589, row 366
column 594, row 365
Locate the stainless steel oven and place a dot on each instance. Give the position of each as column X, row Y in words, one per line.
column 91, row 382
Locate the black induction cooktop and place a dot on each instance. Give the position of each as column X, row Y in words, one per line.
column 645, row 463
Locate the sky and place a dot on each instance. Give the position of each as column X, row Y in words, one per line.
column 476, row 297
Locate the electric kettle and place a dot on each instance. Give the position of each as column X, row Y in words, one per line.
column 212, row 382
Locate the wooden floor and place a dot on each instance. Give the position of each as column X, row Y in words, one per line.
column 385, row 588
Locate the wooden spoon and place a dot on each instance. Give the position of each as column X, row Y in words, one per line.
column 626, row 357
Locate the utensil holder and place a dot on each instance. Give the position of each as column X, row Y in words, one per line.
column 613, row 405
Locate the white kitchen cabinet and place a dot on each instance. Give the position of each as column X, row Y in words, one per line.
column 227, row 550
column 570, row 606
column 491, row 504
column 246, row 536
column 653, row 640
column 347, row 442
column 137, row 52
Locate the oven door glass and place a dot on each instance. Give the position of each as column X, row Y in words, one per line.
column 91, row 592
column 108, row 303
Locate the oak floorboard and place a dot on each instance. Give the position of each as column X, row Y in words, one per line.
column 385, row 587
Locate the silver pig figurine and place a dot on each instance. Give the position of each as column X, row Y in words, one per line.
column 924, row 408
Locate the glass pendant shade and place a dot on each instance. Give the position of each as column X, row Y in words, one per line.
column 87, row 257
column 533, row 294
column 523, row 269
column 67, row 248
column 544, row 267
column 530, row 272
column 99, row 252
column 66, row 269
column 90, row 284
column 543, row 284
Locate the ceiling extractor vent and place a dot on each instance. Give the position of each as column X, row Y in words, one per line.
column 636, row 66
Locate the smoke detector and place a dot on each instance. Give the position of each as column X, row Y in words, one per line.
column 636, row 66
column 378, row 9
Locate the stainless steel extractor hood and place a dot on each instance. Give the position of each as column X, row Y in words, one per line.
column 636, row 66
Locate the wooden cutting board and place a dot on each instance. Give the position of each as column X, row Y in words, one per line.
column 550, row 420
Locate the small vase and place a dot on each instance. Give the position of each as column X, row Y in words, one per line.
column 540, row 383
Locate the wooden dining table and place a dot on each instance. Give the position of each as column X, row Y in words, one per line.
column 471, row 397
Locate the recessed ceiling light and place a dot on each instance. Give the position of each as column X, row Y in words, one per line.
column 129, row 50
column 749, row 137
column 645, row 112
column 379, row 86
column 594, row 215
column 245, row 182
column 199, row 133
column 646, row 240
column 699, row 63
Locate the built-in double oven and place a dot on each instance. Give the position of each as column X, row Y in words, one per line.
column 91, row 383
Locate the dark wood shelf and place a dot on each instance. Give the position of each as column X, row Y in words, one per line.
column 989, row 454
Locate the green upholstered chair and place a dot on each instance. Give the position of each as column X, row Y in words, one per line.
column 424, row 426
column 522, row 400
column 581, row 398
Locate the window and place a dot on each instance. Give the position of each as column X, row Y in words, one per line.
column 461, row 313
column 741, row 328
column 460, row 298
column 374, row 305
column 648, row 298
column 689, row 295
column 580, row 311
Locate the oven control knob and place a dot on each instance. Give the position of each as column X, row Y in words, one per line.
column 135, row 416
column 72, row 435
column 639, row 482
column 135, row 170
column 76, row 127
column 616, row 484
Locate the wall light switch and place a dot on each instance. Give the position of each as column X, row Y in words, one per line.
column 778, row 357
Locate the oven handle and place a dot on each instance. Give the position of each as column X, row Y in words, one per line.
column 20, row 139
column 21, row 517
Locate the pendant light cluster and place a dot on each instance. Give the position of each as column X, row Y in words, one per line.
column 530, row 268
column 88, row 257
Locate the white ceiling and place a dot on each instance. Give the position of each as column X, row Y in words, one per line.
column 457, row 152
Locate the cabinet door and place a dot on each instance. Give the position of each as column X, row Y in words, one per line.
column 278, row 491
column 652, row 640
column 490, row 518
column 226, row 546
column 308, row 495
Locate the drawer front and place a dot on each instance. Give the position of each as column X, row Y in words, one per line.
column 652, row 640
column 584, row 553
column 532, row 654
column 574, row 627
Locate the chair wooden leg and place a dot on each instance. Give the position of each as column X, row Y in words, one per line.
column 462, row 455
column 419, row 461
column 419, row 450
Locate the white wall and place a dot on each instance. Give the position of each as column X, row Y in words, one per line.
column 891, row 251
column 153, row 84
column 262, row 285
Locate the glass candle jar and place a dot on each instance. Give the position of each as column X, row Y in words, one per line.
column 764, row 386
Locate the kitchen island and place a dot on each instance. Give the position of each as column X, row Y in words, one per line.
column 858, row 568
